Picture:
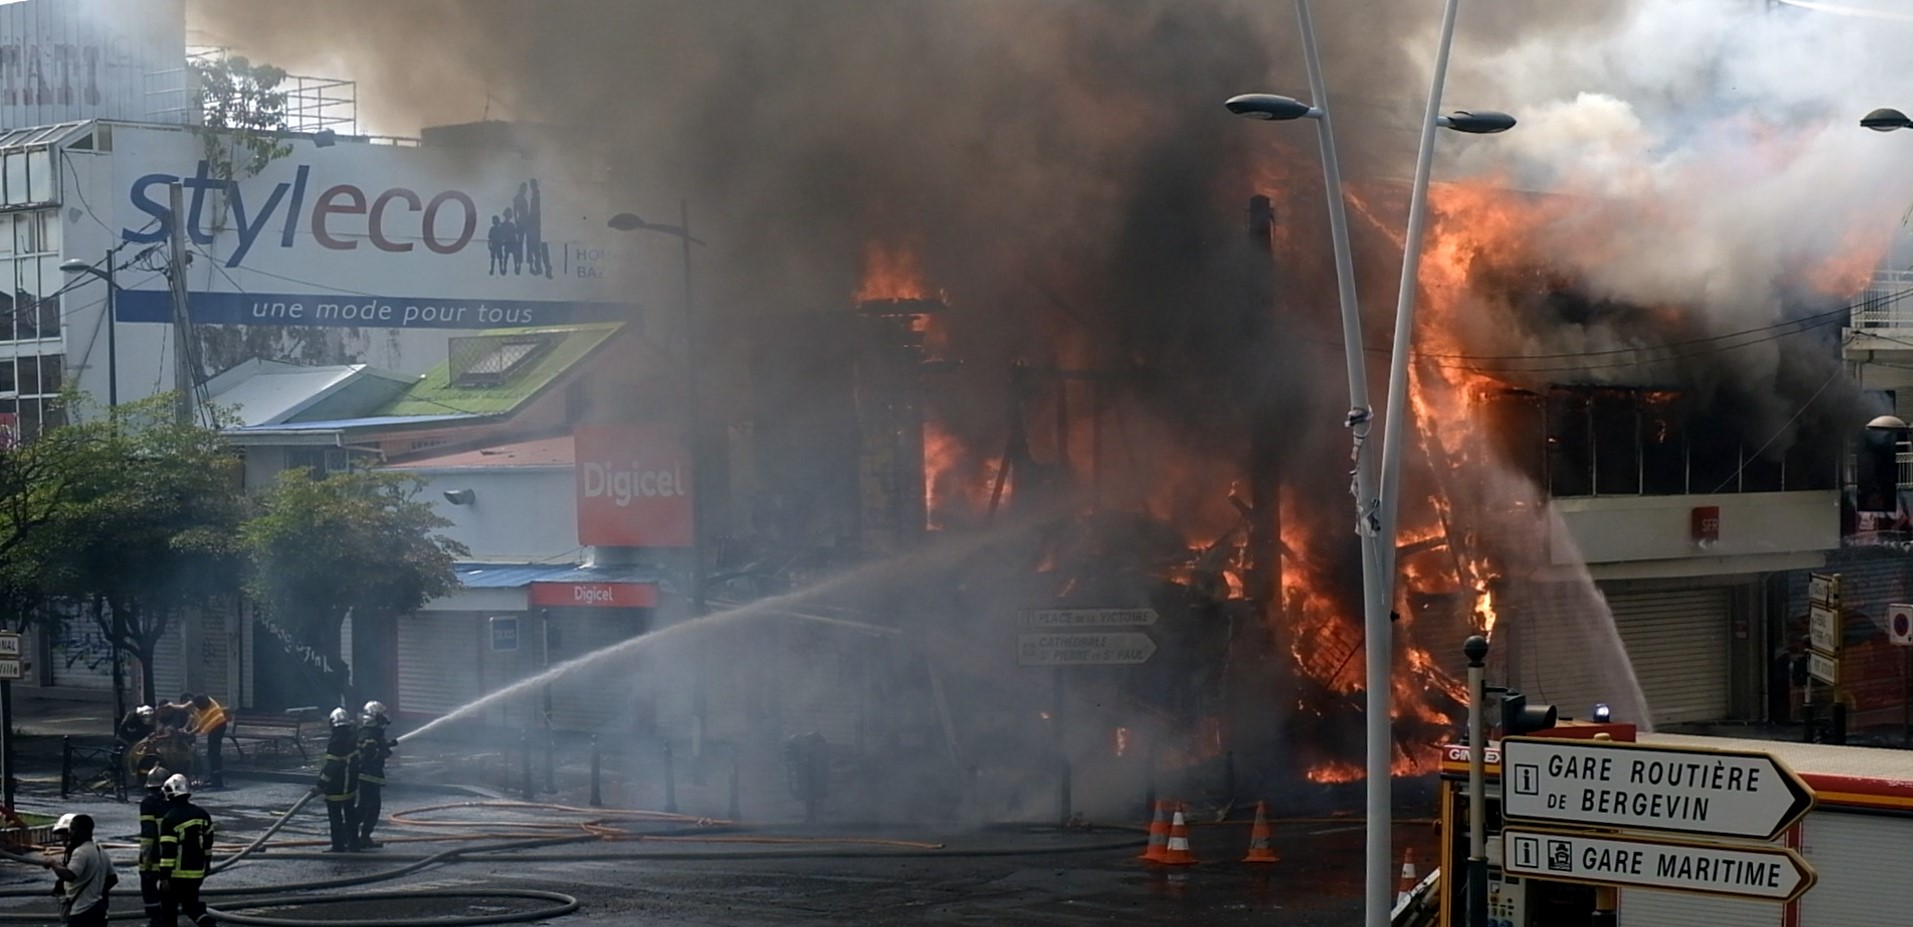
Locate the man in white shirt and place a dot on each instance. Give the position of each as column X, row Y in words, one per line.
column 86, row 873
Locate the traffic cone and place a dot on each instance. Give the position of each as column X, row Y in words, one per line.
column 1178, row 853
column 1409, row 879
column 1158, row 847
column 1259, row 849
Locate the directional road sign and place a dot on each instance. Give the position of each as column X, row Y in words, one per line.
column 1823, row 667
column 1824, row 588
column 1823, row 629
column 11, row 665
column 9, row 643
column 1114, row 648
column 1773, row 873
column 1086, row 617
column 1689, row 790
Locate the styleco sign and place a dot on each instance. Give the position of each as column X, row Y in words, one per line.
column 634, row 486
column 368, row 236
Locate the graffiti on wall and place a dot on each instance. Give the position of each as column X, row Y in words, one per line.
column 80, row 645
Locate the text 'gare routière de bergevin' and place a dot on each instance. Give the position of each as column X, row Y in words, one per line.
column 1650, row 786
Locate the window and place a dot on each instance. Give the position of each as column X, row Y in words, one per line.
column 30, row 277
column 1617, row 464
column 1570, row 449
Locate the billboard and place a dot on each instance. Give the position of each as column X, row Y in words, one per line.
column 367, row 236
column 634, row 486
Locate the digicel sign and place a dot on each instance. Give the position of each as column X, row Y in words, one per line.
column 634, row 486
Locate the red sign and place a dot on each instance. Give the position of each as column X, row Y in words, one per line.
column 594, row 595
column 634, row 486
column 1705, row 523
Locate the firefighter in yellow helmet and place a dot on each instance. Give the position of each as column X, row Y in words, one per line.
column 339, row 782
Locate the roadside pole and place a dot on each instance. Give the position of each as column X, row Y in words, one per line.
column 12, row 666
column 182, row 329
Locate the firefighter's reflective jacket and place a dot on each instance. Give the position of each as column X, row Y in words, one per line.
column 152, row 809
column 373, row 749
column 185, row 841
column 339, row 777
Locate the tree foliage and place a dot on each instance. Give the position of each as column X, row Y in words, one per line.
column 358, row 543
column 244, row 114
column 146, row 524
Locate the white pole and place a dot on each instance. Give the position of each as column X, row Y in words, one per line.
column 1375, row 588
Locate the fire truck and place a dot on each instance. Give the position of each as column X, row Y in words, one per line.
column 1857, row 838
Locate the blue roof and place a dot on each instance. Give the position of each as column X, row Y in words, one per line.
column 520, row 575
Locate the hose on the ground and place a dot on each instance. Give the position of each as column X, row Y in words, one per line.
column 256, row 844
column 562, row 904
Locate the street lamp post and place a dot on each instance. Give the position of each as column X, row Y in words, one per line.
column 112, row 342
column 631, row 222
column 1376, row 513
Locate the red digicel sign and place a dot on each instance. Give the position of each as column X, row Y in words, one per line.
column 594, row 595
column 634, row 486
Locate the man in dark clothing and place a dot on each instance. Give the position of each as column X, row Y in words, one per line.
column 339, row 782
column 85, row 872
column 152, row 809
column 134, row 728
column 185, row 854
column 374, row 748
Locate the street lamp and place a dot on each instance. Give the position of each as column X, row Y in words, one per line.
column 1886, row 120
column 112, row 342
column 631, row 222
column 1376, row 516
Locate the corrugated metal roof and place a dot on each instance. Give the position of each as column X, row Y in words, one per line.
column 520, row 575
column 343, row 424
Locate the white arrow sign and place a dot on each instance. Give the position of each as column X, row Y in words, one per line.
column 1115, row 648
column 1690, row 790
column 1086, row 617
column 1766, row 872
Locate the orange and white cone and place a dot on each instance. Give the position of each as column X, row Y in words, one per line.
column 1409, row 879
column 1178, row 853
column 1158, row 847
column 1259, row 849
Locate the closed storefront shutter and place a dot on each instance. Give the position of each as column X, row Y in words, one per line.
column 438, row 661
column 1678, row 641
column 1557, row 646
column 169, row 664
column 1643, row 908
column 1862, row 864
column 80, row 657
column 601, row 696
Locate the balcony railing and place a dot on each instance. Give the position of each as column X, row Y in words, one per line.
column 1885, row 307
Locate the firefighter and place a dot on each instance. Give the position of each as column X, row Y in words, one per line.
column 152, row 809
column 135, row 727
column 374, row 748
column 185, row 854
column 339, row 781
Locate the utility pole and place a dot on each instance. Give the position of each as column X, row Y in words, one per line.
column 182, row 326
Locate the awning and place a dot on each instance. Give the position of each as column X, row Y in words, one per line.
column 568, row 585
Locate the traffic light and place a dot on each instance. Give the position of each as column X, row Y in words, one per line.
column 1519, row 717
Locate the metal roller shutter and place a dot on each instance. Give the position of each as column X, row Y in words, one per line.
column 438, row 661
column 601, row 696
column 1557, row 645
column 80, row 657
column 1641, row 908
column 1862, row 864
column 1678, row 641
column 169, row 664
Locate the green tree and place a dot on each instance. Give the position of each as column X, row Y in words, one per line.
column 148, row 528
column 359, row 543
column 243, row 112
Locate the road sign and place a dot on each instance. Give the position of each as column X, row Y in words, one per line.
column 504, row 633
column 1823, row 667
column 9, row 644
column 12, row 668
column 1086, row 617
column 1899, row 624
column 1115, row 648
column 1824, row 589
column 1772, row 873
column 1823, row 629
column 1689, row 790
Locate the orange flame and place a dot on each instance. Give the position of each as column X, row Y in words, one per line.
column 891, row 272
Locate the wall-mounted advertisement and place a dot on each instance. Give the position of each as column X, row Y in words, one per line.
column 634, row 486
column 369, row 236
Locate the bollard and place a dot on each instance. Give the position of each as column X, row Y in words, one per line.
column 524, row 753
column 66, row 764
column 597, row 796
column 733, row 811
column 670, row 782
column 551, row 772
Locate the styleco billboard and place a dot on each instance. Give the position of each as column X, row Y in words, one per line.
column 374, row 236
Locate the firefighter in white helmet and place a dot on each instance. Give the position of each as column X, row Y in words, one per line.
column 185, row 854
column 374, row 748
column 339, row 782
